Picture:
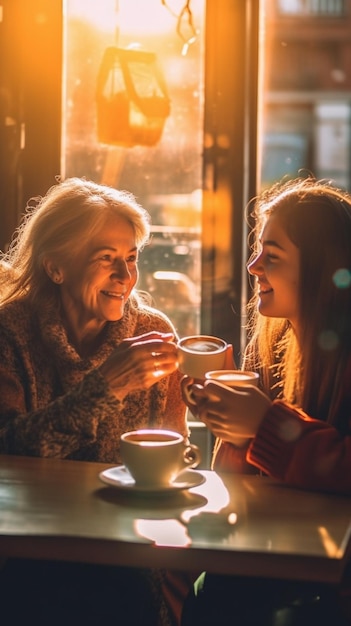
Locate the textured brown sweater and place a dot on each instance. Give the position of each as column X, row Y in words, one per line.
column 53, row 403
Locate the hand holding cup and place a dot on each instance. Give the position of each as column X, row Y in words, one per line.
column 234, row 413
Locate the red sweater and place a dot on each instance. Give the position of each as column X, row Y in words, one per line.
column 301, row 451
column 292, row 447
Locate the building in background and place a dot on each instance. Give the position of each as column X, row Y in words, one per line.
column 306, row 100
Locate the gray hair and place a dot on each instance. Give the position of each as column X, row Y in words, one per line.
column 58, row 225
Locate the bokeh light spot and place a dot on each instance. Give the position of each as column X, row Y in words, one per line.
column 342, row 278
column 328, row 340
column 290, row 430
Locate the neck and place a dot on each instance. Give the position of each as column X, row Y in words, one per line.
column 84, row 337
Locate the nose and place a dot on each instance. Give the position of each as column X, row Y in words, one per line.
column 120, row 271
column 255, row 266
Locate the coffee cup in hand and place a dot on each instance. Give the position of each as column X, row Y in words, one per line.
column 197, row 354
column 155, row 457
column 233, row 378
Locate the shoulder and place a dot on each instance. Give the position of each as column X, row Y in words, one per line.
column 155, row 319
column 17, row 326
column 15, row 313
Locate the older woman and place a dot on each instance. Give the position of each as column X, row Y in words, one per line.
column 83, row 359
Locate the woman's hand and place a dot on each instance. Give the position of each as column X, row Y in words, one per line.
column 231, row 414
column 139, row 362
column 186, row 385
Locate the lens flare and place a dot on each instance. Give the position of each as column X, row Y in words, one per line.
column 328, row 340
column 342, row 278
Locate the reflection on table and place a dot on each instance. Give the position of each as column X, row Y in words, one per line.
column 248, row 525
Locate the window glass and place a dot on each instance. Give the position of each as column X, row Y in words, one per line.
column 133, row 119
column 321, row 7
column 306, row 81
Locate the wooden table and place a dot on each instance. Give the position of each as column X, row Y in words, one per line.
column 56, row 509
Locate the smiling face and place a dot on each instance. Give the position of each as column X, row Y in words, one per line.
column 96, row 285
column 277, row 268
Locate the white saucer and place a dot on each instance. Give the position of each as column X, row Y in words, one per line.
column 121, row 478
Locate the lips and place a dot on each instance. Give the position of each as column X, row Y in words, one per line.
column 264, row 290
column 113, row 294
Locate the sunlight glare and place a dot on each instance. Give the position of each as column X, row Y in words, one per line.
column 128, row 16
column 165, row 532
column 331, row 548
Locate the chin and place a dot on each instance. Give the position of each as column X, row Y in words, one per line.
column 116, row 318
column 266, row 312
column 115, row 315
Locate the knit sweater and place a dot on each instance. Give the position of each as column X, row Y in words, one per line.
column 301, row 451
column 53, row 403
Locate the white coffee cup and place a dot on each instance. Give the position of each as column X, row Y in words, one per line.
column 233, row 378
column 197, row 354
column 155, row 457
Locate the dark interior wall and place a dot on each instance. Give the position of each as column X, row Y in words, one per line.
column 230, row 157
column 30, row 104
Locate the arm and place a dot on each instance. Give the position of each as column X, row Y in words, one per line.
column 285, row 443
column 214, row 404
column 57, row 429
column 41, row 417
column 301, row 451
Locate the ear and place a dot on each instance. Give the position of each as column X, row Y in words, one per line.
column 53, row 271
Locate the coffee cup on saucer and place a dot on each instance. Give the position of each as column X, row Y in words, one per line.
column 197, row 354
column 155, row 457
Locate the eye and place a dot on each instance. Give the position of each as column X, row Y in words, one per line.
column 272, row 257
column 132, row 258
column 105, row 257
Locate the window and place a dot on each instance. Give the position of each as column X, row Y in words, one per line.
column 311, row 7
column 306, row 77
column 133, row 119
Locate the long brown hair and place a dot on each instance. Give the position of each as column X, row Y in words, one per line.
column 308, row 372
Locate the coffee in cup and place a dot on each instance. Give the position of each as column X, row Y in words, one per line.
column 155, row 457
column 233, row 378
column 197, row 354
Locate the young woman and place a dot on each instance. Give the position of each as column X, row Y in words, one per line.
column 297, row 426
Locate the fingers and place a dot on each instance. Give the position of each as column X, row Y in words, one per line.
column 217, row 388
column 155, row 347
column 186, row 387
column 235, row 412
column 153, row 354
column 149, row 337
column 161, row 357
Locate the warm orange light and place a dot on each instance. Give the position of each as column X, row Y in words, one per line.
column 130, row 16
column 331, row 548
